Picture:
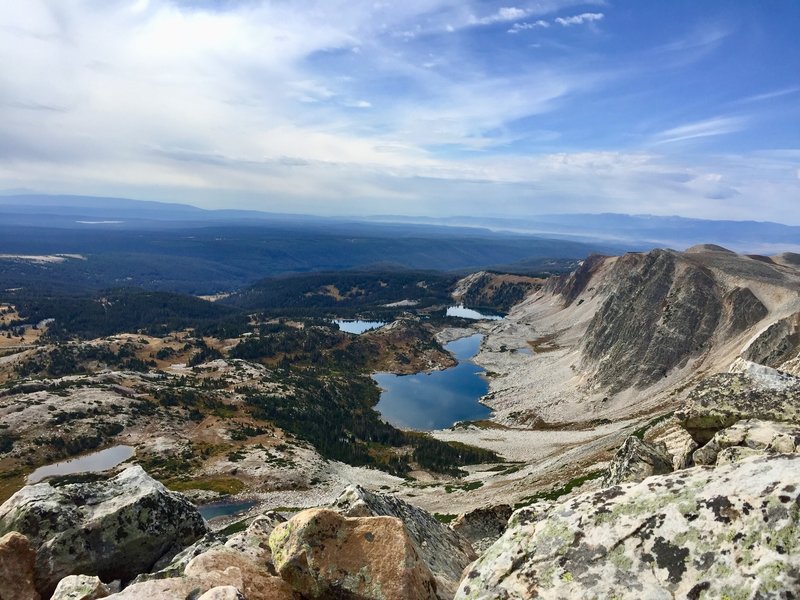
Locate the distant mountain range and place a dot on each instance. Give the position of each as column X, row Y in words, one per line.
column 622, row 231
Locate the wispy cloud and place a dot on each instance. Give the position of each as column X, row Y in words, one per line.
column 700, row 129
column 768, row 95
column 538, row 24
column 579, row 19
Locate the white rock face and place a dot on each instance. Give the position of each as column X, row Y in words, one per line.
column 731, row 531
column 749, row 437
column 114, row 528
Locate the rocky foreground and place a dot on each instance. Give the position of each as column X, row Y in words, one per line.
column 703, row 504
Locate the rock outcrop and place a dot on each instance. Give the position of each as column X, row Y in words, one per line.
column 482, row 526
column 444, row 551
column 636, row 460
column 17, row 560
column 721, row 400
column 752, row 436
column 679, row 443
column 114, row 528
column 776, row 345
column 727, row 532
column 657, row 315
column 80, row 587
column 323, row 554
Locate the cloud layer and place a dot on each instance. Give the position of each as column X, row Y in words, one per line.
column 420, row 107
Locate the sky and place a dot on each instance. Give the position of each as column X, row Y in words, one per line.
column 412, row 107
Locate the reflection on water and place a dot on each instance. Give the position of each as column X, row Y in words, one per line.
column 91, row 463
column 436, row 399
column 468, row 313
column 225, row 509
column 357, row 327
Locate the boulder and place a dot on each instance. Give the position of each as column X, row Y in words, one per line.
column 80, row 587
column 223, row 592
column 482, row 526
column 721, row 400
column 636, row 460
column 17, row 560
column 323, row 554
column 445, row 552
column 217, row 569
column 725, row 532
column 679, row 443
column 749, row 437
column 114, row 528
column 252, row 578
column 254, row 541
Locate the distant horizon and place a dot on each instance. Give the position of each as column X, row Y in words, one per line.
column 432, row 108
column 400, row 216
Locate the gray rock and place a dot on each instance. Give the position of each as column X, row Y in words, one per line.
column 444, row 551
column 636, row 460
column 114, row 528
column 80, row 587
column 728, row 532
column 482, row 526
column 749, row 437
column 254, row 541
column 777, row 344
column 171, row 564
column 654, row 319
column 721, row 400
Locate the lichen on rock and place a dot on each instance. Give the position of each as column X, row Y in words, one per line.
column 731, row 531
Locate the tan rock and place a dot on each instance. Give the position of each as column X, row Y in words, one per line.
column 224, row 592
column 80, row 587
column 17, row 559
column 251, row 577
column 323, row 554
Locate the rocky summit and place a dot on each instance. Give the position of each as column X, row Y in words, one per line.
column 732, row 532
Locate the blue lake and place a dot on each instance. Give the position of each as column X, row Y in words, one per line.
column 225, row 509
column 358, row 327
column 436, row 399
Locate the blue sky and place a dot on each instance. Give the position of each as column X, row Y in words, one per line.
column 419, row 107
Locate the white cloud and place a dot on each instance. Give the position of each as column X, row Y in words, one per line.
column 700, row 129
column 503, row 15
column 517, row 27
column 579, row 19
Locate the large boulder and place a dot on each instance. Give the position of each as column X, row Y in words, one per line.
column 17, row 560
column 754, row 392
column 726, row 532
column 323, row 554
column 481, row 527
column 114, row 528
column 445, row 552
column 80, row 587
column 749, row 437
column 679, row 443
column 636, row 460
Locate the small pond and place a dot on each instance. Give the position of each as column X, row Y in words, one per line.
column 90, row 463
column 225, row 509
column 356, row 326
column 436, row 399
column 468, row 313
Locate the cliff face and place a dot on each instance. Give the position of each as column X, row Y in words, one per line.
column 661, row 309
